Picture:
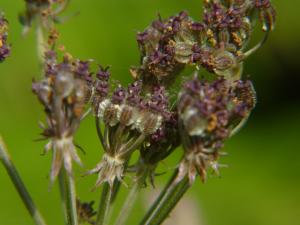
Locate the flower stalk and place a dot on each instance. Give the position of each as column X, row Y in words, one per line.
column 166, row 201
column 19, row 185
column 68, row 197
column 131, row 197
column 105, row 203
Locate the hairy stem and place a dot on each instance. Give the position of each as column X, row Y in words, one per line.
column 68, row 196
column 166, row 201
column 104, row 205
column 19, row 185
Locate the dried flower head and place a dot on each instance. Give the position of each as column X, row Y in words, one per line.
column 208, row 112
column 129, row 118
column 63, row 93
column 4, row 47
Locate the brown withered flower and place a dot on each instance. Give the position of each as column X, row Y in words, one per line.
column 63, row 93
column 208, row 112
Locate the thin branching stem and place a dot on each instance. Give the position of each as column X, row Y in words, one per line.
column 99, row 133
column 104, row 206
column 166, row 201
column 128, row 205
column 131, row 198
column 68, row 197
column 257, row 46
column 19, row 185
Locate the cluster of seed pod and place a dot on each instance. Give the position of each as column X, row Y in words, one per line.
column 4, row 46
column 63, row 93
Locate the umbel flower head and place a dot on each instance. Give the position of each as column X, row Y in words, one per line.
column 4, row 47
column 157, row 45
column 208, row 112
column 129, row 118
column 217, row 43
column 63, row 93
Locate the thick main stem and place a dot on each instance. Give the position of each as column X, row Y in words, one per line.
column 105, row 203
column 166, row 201
column 68, row 196
column 19, row 185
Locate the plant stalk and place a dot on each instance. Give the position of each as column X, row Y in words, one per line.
column 105, row 203
column 68, row 196
column 166, row 201
column 19, row 185
column 131, row 197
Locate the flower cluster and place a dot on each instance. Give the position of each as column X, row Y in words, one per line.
column 205, row 113
column 63, row 93
column 130, row 117
column 208, row 112
column 157, row 45
column 141, row 117
column 217, row 43
column 4, row 47
column 149, row 118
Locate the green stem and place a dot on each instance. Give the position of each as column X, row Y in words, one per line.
column 19, row 185
column 128, row 205
column 158, row 199
column 68, row 196
column 131, row 198
column 166, row 201
column 115, row 191
column 105, row 204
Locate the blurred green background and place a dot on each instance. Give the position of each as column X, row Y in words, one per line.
column 261, row 185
